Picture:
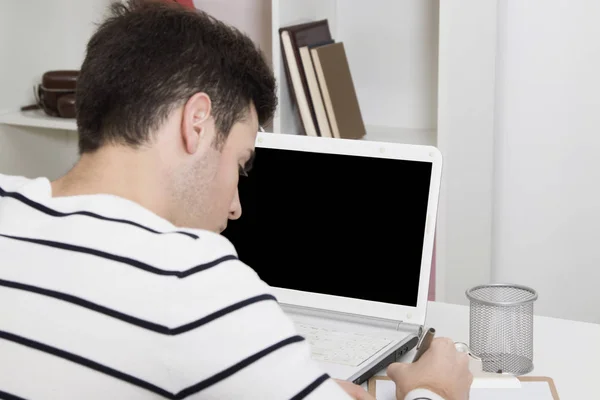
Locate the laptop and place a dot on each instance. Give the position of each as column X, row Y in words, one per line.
column 343, row 230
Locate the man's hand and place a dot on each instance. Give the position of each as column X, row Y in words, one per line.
column 441, row 369
column 354, row 390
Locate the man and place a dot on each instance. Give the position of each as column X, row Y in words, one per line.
column 114, row 280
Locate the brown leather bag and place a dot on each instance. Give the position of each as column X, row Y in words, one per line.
column 56, row 94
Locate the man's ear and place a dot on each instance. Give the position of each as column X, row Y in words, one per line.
column 196, row 124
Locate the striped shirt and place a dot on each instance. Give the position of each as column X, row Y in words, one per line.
column 102, row 299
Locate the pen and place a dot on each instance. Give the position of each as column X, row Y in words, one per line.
column 424, row 343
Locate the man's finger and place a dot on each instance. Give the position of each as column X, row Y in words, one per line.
column 395, row 369
column 356, row 391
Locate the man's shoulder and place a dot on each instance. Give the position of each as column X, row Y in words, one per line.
column 194, row 249
column 115, row 228
column 13, row 183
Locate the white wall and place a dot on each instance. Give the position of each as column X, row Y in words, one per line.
column 393, row 59
column 467, row 58
column 36, row 36
column 547, row 204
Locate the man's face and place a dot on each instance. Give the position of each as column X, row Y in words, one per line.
column 210, row 195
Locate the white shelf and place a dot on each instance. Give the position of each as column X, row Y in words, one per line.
column 38, row 119
column 401, row 135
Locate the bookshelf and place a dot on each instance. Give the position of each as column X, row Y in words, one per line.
column 37, row 119
column 392, row 52
column 424, row 72
column 396, row 84
column 401, row 135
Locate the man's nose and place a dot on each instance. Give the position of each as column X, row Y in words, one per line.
column 235, row 210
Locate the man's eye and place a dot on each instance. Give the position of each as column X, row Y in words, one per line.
column 243, row 171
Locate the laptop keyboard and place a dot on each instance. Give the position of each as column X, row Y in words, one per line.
column 347, row 348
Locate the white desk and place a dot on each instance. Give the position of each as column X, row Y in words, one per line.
column 566, row 351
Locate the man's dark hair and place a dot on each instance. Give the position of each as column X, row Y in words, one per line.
column 149, row 57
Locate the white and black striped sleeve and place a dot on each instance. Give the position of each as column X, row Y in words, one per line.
column 248, row 348
column 99, row 298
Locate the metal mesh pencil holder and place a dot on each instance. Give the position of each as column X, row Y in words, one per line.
column 501, row 327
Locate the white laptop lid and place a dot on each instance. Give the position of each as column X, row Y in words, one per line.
column 342, row 225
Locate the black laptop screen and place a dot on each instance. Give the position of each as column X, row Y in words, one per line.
column 334, row 224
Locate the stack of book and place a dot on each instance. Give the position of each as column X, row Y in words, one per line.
column 320, row 82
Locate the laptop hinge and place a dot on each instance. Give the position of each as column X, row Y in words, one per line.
column 356, row 318
column 405, row 326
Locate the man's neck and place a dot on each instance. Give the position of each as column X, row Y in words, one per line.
column 119, row 171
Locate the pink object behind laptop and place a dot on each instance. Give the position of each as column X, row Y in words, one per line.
column 431, row 296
